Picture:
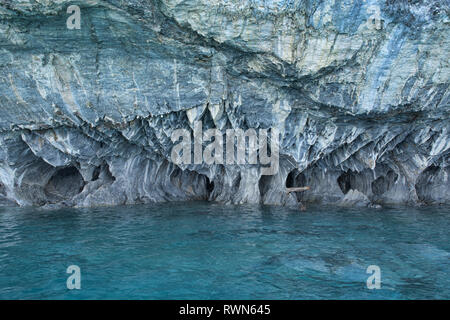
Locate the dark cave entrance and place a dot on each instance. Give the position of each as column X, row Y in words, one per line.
column 209, row 185
column 344, row 182
column 423, row 183
column 384, row 183
column 96, row 174
column 64, row 184
column 294, row 179
column 290, row 180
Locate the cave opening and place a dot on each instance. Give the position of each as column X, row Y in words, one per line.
column 264, row 184
column 64, row 184
column 384, row 183
column 108, row 172
column 96, row 174
column 423, row 183
column 291, row 179
column 209, row 185
column 294, row 179
column 344, row 182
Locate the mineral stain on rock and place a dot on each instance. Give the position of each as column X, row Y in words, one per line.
column 358, row 90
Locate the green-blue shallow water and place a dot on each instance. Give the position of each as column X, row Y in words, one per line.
column 209, row 251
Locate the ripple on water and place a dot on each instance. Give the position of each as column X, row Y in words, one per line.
column 209, row 251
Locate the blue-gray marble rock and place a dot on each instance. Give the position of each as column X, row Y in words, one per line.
column 357, row 88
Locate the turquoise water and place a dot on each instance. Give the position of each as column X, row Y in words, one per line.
column 210, row 251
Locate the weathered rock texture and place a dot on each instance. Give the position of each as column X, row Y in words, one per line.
column 358, row 89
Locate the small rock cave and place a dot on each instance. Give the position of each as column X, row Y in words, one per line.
column 2, row 189
column 108, row 173
column 96, row 173
column 344, row 182
column 351, row 180
column 237, row 181
column 291, row 179
column 294, row 179
column 209, row 185
column 424, row 183
column 264, row 184
column 384, row 183
column 64, row 184
column 3, row 196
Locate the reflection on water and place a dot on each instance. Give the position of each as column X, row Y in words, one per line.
column 209, row 251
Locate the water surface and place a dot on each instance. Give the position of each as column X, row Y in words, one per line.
column 202, row 250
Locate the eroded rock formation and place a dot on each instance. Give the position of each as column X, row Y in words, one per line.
column 358, row 90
